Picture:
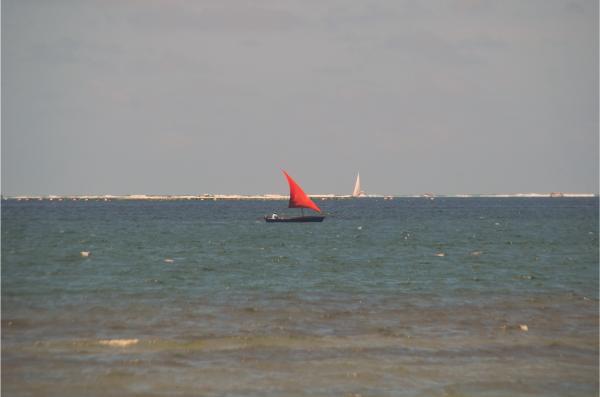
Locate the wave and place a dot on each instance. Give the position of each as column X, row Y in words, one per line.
column 384, row 338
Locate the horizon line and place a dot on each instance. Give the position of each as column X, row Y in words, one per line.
column 279, row 196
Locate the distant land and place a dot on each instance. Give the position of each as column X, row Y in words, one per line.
column 215, row 197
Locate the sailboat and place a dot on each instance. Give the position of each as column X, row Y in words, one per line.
column 357, row 192
column 298, row 199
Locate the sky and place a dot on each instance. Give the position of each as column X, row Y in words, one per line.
column 193, row 97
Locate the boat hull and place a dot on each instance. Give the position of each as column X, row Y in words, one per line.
column 315, row 218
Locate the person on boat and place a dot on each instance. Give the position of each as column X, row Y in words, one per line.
column 274, row 216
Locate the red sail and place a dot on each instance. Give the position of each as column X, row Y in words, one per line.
column 299, row 199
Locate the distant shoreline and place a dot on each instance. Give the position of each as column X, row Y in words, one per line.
column 215, row 197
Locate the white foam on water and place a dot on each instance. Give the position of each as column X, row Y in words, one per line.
column 119, row 342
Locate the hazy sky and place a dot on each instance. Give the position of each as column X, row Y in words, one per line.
column 188, row 97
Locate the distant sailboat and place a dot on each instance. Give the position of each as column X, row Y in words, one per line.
column 298, row 199
column 357, row 192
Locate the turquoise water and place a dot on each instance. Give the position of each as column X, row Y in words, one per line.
column 408, row 297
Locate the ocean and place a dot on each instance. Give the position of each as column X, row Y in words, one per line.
column 403, row 297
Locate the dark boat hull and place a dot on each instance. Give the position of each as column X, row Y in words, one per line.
column 316, row 218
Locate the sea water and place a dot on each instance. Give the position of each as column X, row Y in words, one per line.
column 403, row 297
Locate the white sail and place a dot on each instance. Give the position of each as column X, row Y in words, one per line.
column 356, row 192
